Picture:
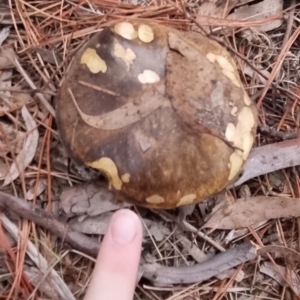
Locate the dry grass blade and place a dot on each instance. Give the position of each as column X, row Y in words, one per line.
column 41, row 263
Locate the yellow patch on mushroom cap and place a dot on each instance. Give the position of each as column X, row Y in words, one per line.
column 234, row 110
column 247, row 100
column 145, row 33
column 224, row 63
column 237, row 134
column 242, row 138
column 127, row 55
column 125, row 177
column 109, row 168
column 126, row 30
column 236, row 162
column 232, row 77
column 148, row 76
column 186, row 200
column 211, row 57
column 248, row 140
column 155, row 199
column 93, row 61
column 246, row 118
column 230, row 132
column 226, row 67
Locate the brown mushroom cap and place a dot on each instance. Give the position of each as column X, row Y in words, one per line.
column 163, row 114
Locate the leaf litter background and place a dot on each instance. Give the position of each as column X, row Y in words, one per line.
column 38, row 39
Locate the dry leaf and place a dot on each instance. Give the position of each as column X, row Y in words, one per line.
column 40, row 189
column 11, row 139
column 26, row 155
column 4, row 34
column 11, row 100
column 50, row 56
column 193, row 250
column 254, row 210
column 6, row 58
column 90, row 199
column 98, row 225
column 20, row 99
column 235, row 234
column 270, row 270
column 156, row 229
column 270, row 158
column 217, row 10
column 260, row 11
column 230, row 273
column 251, row 73
column 91, row 225
column 3, row 169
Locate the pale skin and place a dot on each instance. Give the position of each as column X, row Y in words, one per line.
column 116, row 268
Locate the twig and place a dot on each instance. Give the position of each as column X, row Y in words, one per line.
column 42, row 218
column 278, row 64
column 220, row 263
column 289, row 24
column 193, row 229
column 162, row 275
column 33, row 86
column 277, row 134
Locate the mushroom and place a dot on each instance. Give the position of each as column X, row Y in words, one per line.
column 161, row 113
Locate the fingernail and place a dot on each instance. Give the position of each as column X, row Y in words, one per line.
column 124, row 227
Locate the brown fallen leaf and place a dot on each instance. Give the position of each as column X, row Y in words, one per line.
column 219, row 8
column 253, row 210
column 89, row 199
column 11, row 139
column 40, row 189
column 282, row 251
column 6, row 55
column 192, row 249
column 260, row 11
column 4, row 33
column 27, row 153
column 156, row 229
column 4, row 168
column 91, row 225
column 272, row 271
column 50, row 56
column 98, row 225
column 270, row 158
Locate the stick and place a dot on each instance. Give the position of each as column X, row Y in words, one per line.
column 162, row 275
column 46, row 220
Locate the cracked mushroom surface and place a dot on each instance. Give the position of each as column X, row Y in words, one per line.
column 161, row 113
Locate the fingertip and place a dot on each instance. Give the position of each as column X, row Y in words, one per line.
column 118, row 259
column 125, row 226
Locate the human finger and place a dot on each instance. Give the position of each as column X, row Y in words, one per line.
column 115, row 272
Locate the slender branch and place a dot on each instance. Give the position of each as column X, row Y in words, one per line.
column 46, row 220
column 162, row 275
